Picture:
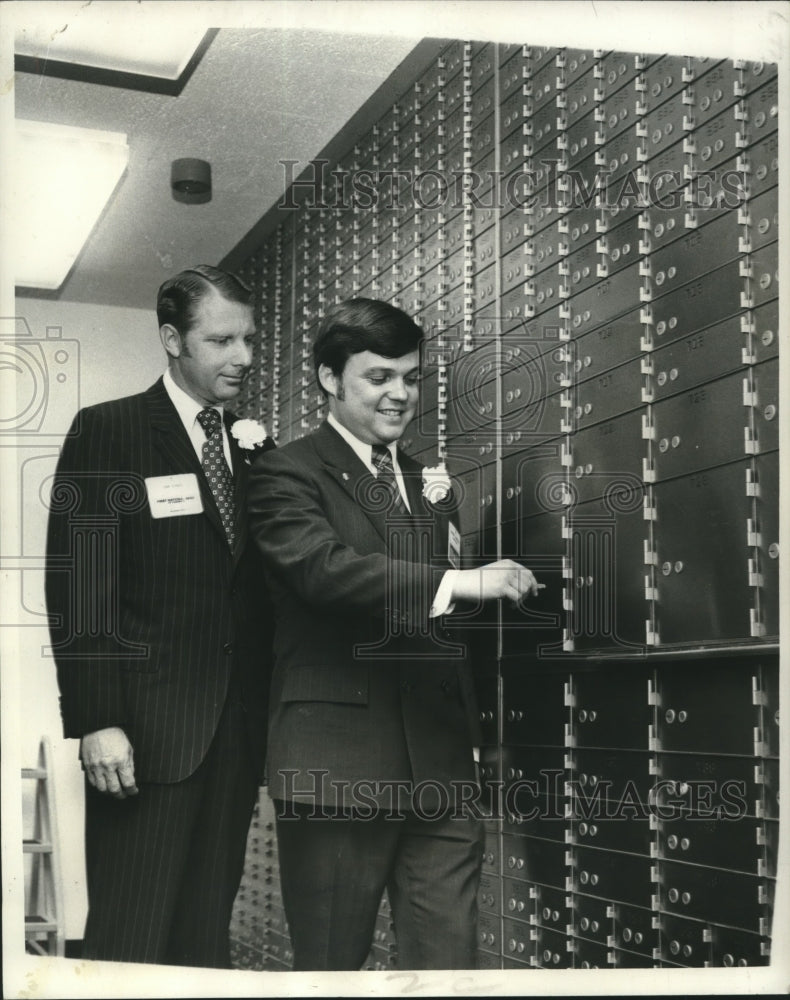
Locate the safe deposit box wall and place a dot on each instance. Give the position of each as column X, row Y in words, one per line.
column 589, row 239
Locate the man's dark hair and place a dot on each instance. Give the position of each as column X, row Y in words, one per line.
column 358, row 325
column 179, row 296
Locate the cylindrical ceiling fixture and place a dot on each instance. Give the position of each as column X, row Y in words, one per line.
column 190, row 181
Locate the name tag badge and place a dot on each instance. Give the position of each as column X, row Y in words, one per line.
column 174, row 496
column 454, row 546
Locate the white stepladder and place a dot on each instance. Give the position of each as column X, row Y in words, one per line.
column 44, row 930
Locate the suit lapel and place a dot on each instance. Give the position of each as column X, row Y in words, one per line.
column 172, row 440
column 412, row 477
column 359, row 483
column 241, row 472
column 240, row 477
column 346, row 467
column 423, row 509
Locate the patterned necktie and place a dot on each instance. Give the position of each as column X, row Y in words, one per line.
column 385, row 473
column 216, row 469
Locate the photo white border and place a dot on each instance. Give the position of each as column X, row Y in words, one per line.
column 759, row 30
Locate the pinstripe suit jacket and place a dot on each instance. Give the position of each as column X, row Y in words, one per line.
column 148, row 617
column 365, row 686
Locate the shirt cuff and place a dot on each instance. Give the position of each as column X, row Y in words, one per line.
column 443, row 603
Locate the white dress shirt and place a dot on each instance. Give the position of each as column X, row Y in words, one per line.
column 188, row 409
column 365, row 453
column 442, row 602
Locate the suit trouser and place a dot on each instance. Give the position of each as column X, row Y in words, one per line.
column 334, row 870
column 164, row 866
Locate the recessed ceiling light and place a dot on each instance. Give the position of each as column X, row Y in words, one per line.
column 126, row 47
column 65, row 177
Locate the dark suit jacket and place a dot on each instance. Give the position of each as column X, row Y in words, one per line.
column 149, row 617
column 365, row 686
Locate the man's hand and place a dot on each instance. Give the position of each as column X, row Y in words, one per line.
column 109, row 762
column 504, row 578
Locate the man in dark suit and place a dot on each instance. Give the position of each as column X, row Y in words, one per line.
column 373, row 721
column 158, row 625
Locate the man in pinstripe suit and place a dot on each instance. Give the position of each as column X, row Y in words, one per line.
column 159, row 631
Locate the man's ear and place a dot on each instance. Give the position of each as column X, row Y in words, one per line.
column 328, row 379
column 171, row 340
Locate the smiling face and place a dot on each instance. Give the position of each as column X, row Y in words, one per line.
column 375, row 397
column 211, row 361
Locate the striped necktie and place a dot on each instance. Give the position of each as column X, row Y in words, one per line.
column 385, row 474
column 220, row 479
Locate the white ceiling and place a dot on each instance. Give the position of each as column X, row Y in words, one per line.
column 258, row 96
column 272, row 86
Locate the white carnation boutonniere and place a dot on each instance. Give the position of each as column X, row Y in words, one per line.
column 250, row 434
column 436, row 483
